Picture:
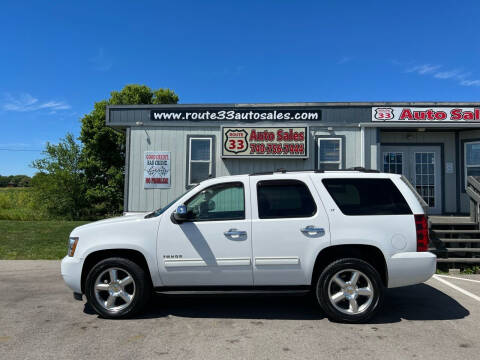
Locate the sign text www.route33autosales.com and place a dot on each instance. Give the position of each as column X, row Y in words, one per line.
column 265, row 142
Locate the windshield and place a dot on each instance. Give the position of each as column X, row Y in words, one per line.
column 160, row 211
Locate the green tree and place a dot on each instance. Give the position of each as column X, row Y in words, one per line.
column 17, row 180
column 104, row 147
column 24, row 181
column 59, row 185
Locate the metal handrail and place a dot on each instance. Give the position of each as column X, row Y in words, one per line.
column 473, row 191
column 473, row 180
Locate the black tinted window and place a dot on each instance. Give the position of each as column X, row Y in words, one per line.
column 284, row 199
column 367, row 196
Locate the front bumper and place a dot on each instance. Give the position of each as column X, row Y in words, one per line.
column 410, row 268
column 72, row 273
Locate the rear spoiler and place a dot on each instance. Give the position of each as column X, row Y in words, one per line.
column 417, row 195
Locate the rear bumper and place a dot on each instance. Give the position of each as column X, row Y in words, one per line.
column 72, row 273
column 410, row 268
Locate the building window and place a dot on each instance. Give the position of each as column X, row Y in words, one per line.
column 200, row 159
column 472, row 159
column 393, row 162
column 329, row 153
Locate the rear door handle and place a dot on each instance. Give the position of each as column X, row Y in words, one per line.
column 312, row 230
column 234, row 233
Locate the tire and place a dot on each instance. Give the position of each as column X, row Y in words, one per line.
column 338, row 290
column 117, row 288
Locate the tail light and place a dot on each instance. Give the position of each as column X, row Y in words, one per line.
column 421, row 225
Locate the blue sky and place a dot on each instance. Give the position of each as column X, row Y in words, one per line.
column 58, row 58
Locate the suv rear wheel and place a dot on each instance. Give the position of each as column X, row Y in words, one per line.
column 117, row 288
column 350, row 290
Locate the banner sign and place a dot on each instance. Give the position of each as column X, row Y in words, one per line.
column 425, row 114
column 156, row 170
column 265, row 142
column 243, row 113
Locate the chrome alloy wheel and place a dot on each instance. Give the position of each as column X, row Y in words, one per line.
column 114, row 289
column 350, row 291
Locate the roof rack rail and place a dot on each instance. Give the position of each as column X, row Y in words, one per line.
column 362, row 169
column 261, row 173
column 284, row 171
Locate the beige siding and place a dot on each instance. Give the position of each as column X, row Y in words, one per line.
column 174, row 139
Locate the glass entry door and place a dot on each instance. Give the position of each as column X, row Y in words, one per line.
column 421, row 165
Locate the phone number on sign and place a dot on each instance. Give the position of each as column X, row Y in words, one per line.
column 277, row 149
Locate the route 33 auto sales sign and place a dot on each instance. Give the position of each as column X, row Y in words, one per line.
column 425, row 114
column 264, row 142
column 156, row 170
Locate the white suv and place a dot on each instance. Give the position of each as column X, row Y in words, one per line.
column 346, row 235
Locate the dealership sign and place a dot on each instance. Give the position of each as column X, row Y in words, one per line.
column 156, row 169
column 265, row 142
column 425, row 114
column 237, row 113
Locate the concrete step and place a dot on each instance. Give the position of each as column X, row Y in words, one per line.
column 449, row 240
column 450, row 220
column 460, row 260
column 453, row 250
column 454, row 232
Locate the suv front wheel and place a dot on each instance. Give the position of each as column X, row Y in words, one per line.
column 117, row 288
column 349, row 290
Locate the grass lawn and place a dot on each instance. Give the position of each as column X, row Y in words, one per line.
column 33, row 240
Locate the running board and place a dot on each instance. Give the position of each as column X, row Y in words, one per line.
column 220, row 290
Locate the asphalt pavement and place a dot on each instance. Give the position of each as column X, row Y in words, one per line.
column 39, row 319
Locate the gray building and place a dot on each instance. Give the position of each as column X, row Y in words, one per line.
column 170, row 148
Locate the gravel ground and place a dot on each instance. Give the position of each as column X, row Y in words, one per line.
column 40, row 320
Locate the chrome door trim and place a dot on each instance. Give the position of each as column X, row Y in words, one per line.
column 277, row 260
column 197, row 262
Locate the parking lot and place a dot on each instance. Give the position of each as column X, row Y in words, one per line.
column 39, row 319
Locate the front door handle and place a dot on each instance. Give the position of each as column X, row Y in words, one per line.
column 312, row 230
column 234, row 233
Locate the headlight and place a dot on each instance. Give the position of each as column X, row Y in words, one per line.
column 72, row 245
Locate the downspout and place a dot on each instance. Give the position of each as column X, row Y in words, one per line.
column 362, row 146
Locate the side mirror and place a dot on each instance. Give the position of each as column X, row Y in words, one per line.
column 180, row 215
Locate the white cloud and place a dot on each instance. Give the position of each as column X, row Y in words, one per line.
column 423, row 69
column 26, row 103
column 56, row 105
column 470, row 82
column 344, row 60
column 101, row 61
column 447, row 74
column 462, row 78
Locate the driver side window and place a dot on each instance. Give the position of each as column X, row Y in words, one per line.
column 218, row 202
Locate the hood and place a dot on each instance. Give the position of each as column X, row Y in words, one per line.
column 115, row 220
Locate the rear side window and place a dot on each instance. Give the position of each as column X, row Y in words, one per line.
column 284, row 199
column 367, row 196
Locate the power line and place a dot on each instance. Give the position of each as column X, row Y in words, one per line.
column 19, row 150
